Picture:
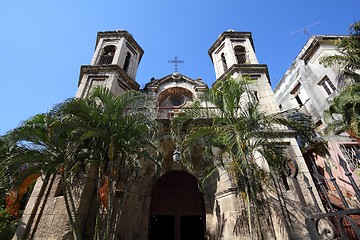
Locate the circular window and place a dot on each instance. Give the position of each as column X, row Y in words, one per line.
column 176, row 100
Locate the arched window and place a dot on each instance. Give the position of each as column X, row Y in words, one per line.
column 223, row 60
column 107, row 55
column 127, row 62
column 240, row 54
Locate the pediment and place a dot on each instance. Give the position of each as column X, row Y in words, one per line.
column 175, row 80
column 174, row 92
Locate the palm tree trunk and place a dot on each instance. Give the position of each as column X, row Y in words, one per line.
column 70, row 206
column 97, row 221
column 247, row 186
column 120, row 199
column 108, row 233
column 252, row 181
column 250, row 188
column 248, row 203
column 71, row 212
column 121, row 205
column 111, row 152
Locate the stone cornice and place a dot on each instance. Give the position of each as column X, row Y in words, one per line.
column 244, row 69
column 89, row 69
column 314, row 43
column 154, row 84
column 307, row 52
column 117, row 35
column 230, row 34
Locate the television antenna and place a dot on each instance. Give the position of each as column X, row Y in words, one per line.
column 305, row 29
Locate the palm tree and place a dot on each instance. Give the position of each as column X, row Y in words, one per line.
column 349, row 59
column 117, row 134
column 39, row 146
column 227, row 117
column 8, row 222
column 343, row 114
column 113, row 133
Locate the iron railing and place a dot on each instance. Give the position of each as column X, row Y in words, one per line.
column 167, row 112
column 170, row 112
column 351, row 153
column 241, row 58
column 106, row 59
column 339, row 219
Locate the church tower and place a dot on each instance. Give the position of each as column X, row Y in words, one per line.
column 233, row 54
column 113, row 65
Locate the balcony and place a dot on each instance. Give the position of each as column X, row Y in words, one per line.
column 106, row 59
column 170, row 112
column 167, row 112
column 241, row 58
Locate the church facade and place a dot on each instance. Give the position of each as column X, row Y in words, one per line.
column 170, row 205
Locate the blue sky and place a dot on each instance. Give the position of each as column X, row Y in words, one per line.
column 43, row 43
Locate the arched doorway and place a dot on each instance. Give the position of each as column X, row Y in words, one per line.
column 177, row 210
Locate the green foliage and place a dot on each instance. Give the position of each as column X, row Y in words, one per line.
column 114, row 133
column 8, row 224
column 37, row 145
column 349, row 60
column 114, row 130
column 4, row 176
column 344, row 111
column 227, row 117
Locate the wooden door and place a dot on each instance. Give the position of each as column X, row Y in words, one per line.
column 177, row 208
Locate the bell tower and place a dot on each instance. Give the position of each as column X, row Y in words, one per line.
column 233, row 54
column 113, row 65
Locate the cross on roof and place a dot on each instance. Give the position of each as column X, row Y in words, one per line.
column 176, row 62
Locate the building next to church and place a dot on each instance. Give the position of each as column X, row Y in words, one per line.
column 170, row 205
column 310, row 87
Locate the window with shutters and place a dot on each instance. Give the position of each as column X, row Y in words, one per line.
column 327, row 85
